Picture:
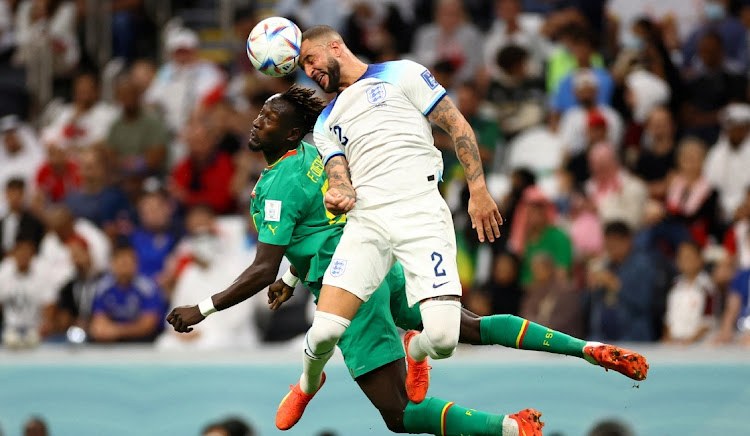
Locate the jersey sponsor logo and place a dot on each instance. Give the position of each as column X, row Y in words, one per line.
column 430, row 79
column 273, row 229
column 376, row 93
column 338, row 266
column 273, row 210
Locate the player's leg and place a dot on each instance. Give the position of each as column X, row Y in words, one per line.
column 384, row 388
column 516, row 332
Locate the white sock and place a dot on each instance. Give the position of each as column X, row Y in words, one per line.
column 416, row 349
column 510, row 426
column 320, row 341
column 312, row 370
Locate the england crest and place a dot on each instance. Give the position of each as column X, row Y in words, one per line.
column 338, row 266
column 376, row 93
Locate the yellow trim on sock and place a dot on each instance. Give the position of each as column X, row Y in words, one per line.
column 442, row 417
column 522, row 333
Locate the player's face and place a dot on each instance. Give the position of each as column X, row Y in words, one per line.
column 320, row 66
column 268, row 130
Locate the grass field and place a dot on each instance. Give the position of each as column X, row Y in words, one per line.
column 134, row 391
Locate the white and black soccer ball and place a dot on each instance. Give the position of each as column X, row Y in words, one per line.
column 273, row 46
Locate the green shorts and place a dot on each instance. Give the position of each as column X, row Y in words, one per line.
column 372, row 339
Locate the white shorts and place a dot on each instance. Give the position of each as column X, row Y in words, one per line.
column 418, row 233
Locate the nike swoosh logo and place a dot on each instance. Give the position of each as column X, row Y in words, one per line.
column 435, row 286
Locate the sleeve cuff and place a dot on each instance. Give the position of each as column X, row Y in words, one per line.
column 335, row 153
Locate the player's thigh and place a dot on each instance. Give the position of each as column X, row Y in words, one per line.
column 405, row 317
column 362, row 257
column 427, row 251
column 385, row 388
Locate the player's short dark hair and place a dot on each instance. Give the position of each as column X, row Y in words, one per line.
column 15, row 183
column 316, row 32
column 510, row 56
column 307, row 107
column 617, row 228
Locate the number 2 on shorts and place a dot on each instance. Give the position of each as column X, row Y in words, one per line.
column 439, row 257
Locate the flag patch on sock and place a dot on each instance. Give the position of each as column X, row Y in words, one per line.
column 522, row 333
column 443, row 415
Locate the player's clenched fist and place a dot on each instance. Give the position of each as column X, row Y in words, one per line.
column 485, row 217
column 183, row 317
column 339, row 201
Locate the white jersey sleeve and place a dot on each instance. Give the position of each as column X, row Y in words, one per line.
column 327, row 146
column 420, row 86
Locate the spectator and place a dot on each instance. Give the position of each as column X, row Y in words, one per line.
column 25, row 293
column 736, row 315
column 710, row 88
column 503, row 293
column 76, row 299
column 128, row 307
column 575, row 121
column 84, row 122
column 582, row 46
column 691, row 200
column 7, row 35
column 212, row 267
column 450, row 38
column 57, row 177
column 657, row 156
column 18, row 220
column 142, row 74
column 726, row 163
column 616, row 193
column 596, row 130
column 727, row 28
column 517, row 96
column 512, row 27
column 155, row 238
column 566, row 27
column 551, row 302
column 643, row 92
column 376, row 28
column 97, row 200
column 621, row 289
column 20, row 153
column 737, row 238
column 35, row 426
column 534, row 231
column 520, row 179
column 48, row 28
column 308, row 13
column 585, row 228
column 205, row 175
column 690, row 301
column 136, row 139
column 185, row 82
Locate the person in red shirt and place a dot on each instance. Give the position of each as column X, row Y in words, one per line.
column 205, row 175
column 58, row 175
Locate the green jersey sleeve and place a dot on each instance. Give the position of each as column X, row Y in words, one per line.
column 278, row 212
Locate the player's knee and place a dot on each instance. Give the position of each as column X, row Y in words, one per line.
column 325, row 332
column 443, row 340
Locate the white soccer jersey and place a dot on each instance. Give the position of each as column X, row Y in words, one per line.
column 380, row 124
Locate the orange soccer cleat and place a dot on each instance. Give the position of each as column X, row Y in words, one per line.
column 626, row 362
column 417, row 373
column 529, row 422
column 293, row 405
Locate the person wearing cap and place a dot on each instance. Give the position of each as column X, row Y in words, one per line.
column 726, row 164
column 185, row 82
column 576, row 122
column 20, row 154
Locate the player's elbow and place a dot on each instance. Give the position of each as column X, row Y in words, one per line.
column 267, row 274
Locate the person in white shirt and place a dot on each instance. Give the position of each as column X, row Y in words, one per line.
column 688, row 315
column 726, row 163
column 25, row 293
column 86, row 121
column 21, row 154
column 48, row 28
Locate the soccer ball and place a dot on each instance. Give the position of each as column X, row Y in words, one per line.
column 273, row 46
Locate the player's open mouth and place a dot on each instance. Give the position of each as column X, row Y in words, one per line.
column 320, row 79
column 252, row 137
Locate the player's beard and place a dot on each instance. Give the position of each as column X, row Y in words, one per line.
column 334, row 76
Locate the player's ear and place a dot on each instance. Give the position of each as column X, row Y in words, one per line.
column 295, row 134
column 336, row 48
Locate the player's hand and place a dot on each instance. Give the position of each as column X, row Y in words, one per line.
column 278, row 293
column 485, row 217
column 340, row 200
column 183, row 317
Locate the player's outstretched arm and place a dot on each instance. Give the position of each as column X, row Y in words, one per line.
column 340, row 197
column 485, row 217
column 257, row 276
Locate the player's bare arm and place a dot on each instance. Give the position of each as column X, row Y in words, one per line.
column 485, row 217
column 340, row 197
column 257, row 276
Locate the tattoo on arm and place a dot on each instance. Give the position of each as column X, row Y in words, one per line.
column 339, row 177
column 447, row 116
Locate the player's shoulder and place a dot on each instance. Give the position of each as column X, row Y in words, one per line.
column 393, row 71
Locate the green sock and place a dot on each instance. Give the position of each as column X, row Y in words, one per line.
column 516, row 332
column 443, row 418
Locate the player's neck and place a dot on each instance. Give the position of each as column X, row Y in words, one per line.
column 352, row 73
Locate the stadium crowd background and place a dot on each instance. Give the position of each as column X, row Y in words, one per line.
column 615, row 136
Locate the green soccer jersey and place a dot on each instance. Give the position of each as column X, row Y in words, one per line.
column 287, row 209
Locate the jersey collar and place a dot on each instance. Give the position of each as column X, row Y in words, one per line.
column 286, row 155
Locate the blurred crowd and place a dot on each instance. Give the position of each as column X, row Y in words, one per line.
column 615, row 138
